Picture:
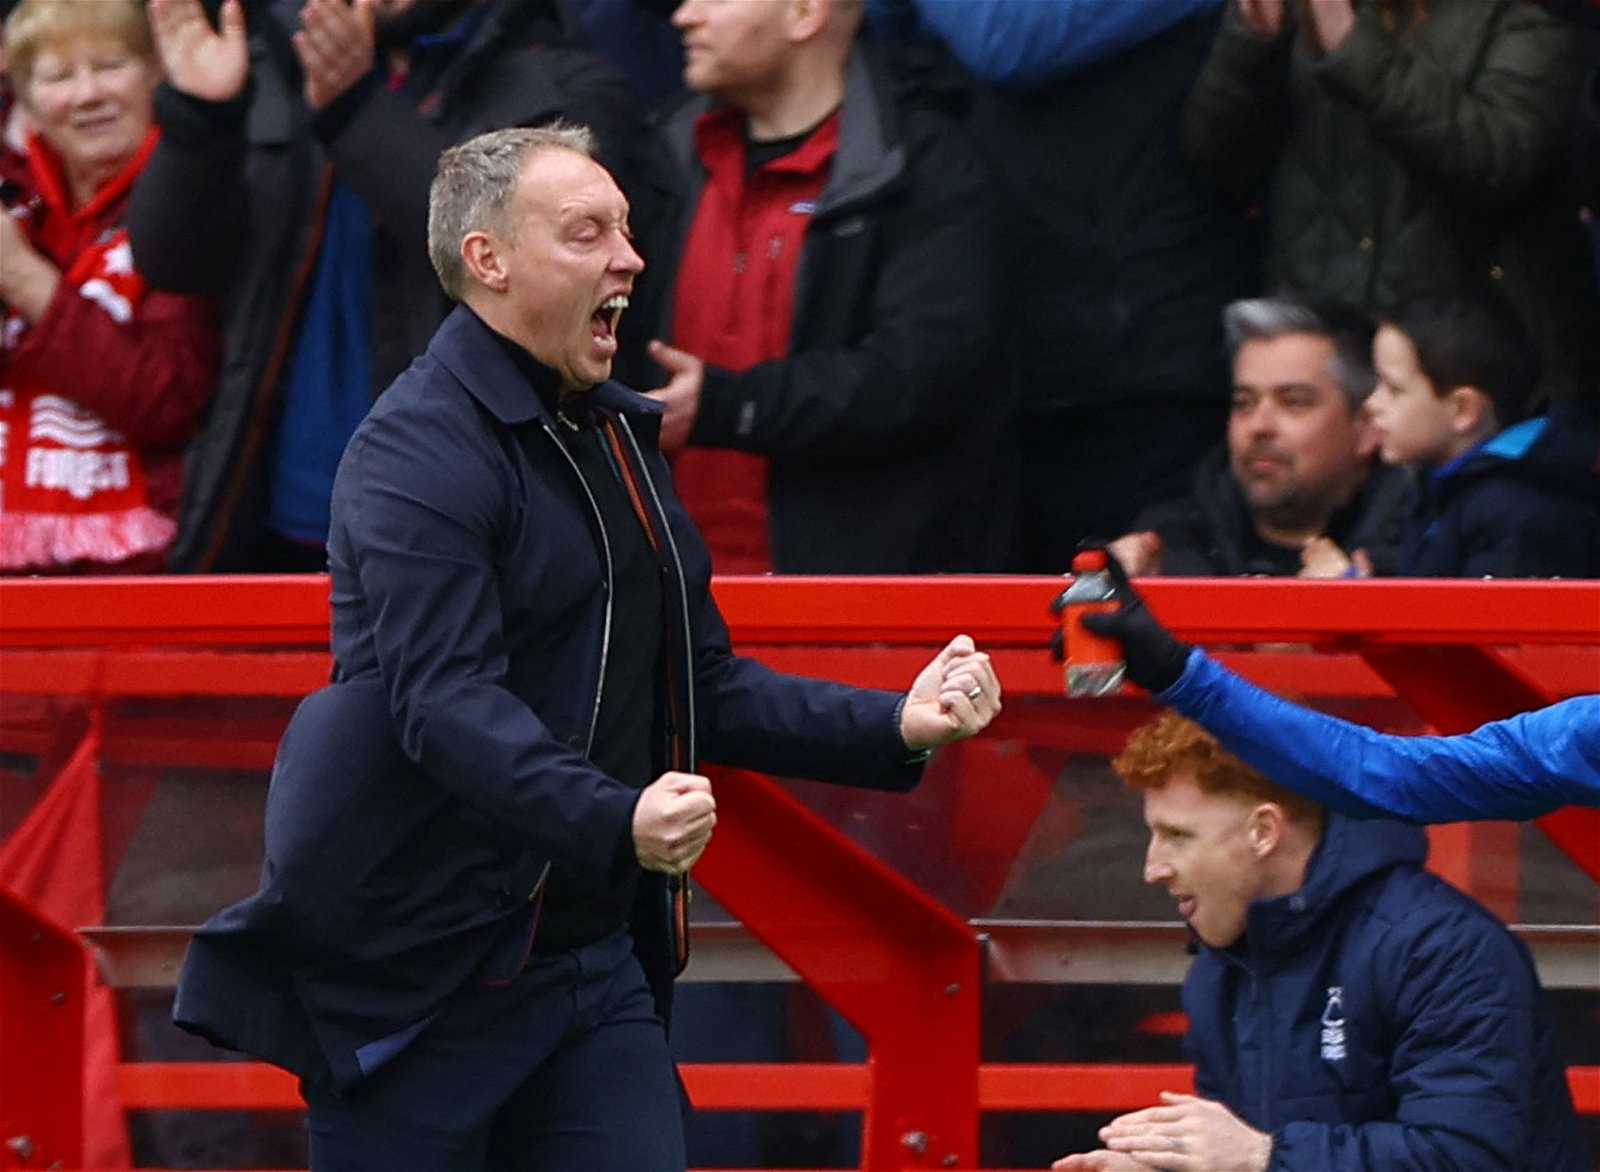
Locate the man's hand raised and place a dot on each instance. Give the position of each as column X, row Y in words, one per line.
column 336, row 46
column 955, row 696
column 680, row 395
column 198, row 60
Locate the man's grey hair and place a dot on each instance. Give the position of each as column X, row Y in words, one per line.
column 1348, row 328
column 474, row 184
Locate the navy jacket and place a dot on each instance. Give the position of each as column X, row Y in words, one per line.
column 417, row 803
column 1524, row 504
column 1379, row 1018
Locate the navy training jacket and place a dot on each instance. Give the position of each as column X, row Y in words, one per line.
column 1379, row 1018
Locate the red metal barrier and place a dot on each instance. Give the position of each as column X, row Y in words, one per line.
column 906, row 970
column 41, row 1039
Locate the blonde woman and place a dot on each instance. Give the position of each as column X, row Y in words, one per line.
column 102, row 381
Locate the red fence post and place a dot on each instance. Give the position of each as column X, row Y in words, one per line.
column 899, row 965
column 42, row 980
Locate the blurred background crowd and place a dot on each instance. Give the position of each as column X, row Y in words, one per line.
column 1249, row 286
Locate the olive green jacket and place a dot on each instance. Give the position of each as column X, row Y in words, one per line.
column 1410, row 161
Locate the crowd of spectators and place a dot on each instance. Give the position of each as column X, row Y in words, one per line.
column 931, row 285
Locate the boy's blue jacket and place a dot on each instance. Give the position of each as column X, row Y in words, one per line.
column 1523, row 504
column 1379, row 1018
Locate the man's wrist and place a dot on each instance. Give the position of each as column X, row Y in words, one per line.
column 1263, row 1159
column 910, row 756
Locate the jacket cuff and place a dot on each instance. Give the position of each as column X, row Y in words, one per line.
column 1354, row 71
column 330, row 122
column 899, row 752
column 626, row 858
column 1245, row 49
column 614, row 803
column 197, row 122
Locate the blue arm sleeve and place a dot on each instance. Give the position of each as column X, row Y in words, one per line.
column 1521, row 767
column 1024, row 44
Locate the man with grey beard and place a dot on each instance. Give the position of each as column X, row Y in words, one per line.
column 1297, row 481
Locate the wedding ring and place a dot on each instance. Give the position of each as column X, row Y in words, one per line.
column 974, row 692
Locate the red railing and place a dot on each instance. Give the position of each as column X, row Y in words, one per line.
column 904, row 968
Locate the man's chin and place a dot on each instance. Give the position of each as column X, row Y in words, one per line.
column 1274, row 503
column 581, row 381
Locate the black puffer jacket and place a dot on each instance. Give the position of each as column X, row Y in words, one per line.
column 1379, row 1018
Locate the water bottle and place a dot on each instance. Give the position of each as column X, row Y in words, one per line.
column 1094, row 664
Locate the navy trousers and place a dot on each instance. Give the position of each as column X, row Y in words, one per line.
column 565, row 1069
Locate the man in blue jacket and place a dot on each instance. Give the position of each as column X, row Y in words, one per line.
column 1518, row 768
column 472, row 908
column 1347, row 1009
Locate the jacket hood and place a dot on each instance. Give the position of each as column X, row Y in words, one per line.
column 1559, row 450
column 1351, row 852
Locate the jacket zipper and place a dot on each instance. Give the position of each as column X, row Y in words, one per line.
column 605, row 549
column 691, row 752
column 631, row 465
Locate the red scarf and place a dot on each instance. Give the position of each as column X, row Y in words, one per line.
column 72, row 489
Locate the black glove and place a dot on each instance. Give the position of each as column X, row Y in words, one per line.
column 1155, row 659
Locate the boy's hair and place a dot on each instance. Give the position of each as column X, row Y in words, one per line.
column 1171, row 743
column 1473, row 339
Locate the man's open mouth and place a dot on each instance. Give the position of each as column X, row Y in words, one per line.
column 605, row 319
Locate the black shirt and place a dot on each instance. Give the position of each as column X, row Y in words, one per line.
column 627, row 726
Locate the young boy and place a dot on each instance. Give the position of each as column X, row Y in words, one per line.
column 1497, row 497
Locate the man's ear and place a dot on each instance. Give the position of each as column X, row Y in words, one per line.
column 807, row 18
column 1265, row 827
column 480, row 253
column 1471, row 411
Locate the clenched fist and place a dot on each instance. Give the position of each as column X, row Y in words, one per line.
column 672, row 822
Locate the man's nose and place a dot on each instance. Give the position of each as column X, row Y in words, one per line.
column 1157, row 869
column 1261, row 418
column 628, row 259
